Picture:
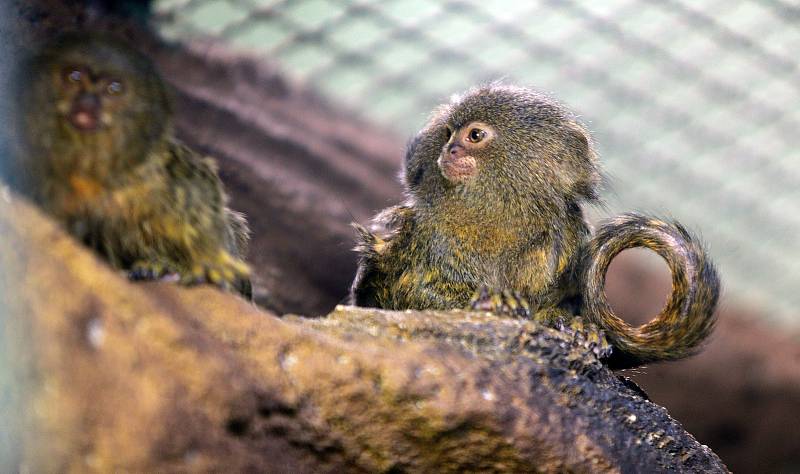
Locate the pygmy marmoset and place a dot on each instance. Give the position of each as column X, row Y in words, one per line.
column 97, row 152
column 495, row 182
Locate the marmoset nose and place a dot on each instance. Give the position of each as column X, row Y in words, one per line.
column 85, row 112
column 456, row 150
column 88, row 101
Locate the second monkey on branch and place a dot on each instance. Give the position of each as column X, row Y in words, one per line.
column 96, row 150
column 495, row 183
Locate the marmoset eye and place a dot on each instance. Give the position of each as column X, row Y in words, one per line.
column 114, row 88
column 476, row 135
column 73, row 73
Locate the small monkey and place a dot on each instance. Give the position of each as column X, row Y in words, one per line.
column 493, row 220
column 97, row 152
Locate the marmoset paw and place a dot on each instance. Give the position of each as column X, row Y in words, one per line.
column 501, row 303
column 150, row 270
column 225, row 271
column 587, row 335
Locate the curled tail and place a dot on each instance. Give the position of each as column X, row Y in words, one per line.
column 688, row 317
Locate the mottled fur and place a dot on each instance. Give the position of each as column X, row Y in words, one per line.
column 517, row 228
column 123, row 184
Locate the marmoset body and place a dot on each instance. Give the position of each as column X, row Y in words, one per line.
column 97, row 152
column 495, row 185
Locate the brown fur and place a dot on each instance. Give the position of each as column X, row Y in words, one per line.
column 96, row 151
column 504, row 214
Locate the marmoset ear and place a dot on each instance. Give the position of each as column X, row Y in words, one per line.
column 581, row 167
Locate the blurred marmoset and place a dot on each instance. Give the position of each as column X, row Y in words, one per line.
column 493, row 220
column 97, row 152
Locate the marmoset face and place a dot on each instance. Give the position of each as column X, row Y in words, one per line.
column 93, row 101
column 90, row 99
column 465, row 147
column 502, row 143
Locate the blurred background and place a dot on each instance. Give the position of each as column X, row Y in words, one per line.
column 694, row 106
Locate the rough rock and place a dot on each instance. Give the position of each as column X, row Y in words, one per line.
column 109, row 375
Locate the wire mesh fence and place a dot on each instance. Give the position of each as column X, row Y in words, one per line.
column 695, row 105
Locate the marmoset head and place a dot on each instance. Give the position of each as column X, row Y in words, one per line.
column 92, row 103
column 502, row 142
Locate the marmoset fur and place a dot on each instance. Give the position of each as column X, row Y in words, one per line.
column 495, row 185
column 97, row 152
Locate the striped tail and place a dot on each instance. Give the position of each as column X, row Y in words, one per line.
column 688, row 317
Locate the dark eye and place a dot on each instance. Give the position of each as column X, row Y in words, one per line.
column 114, row 88
column 448, row 132
column 73, row 74
column 476, row 135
